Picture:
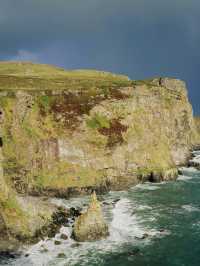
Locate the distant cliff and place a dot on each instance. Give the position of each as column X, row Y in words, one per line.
column 68, row 132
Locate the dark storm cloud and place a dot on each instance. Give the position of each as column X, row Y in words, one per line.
column 141, row 38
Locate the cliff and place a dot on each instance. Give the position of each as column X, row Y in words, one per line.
column 197, row 123
column 69, row 132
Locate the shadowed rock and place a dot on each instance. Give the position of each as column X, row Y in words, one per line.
column 90, row 225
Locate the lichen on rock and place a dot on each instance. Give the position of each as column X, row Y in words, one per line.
column 91, row 224
column 197, row 124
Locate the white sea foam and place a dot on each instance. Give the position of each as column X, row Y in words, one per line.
column 196, row 153
column 188, row 169
column 144, row 207
column 45, row 251
column 196, row 159
column 147, row 186
column 125, row 227
column 73, row 202
column 197, row 224
column 184, row 178
column 190, row 208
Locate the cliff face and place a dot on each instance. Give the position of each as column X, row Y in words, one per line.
column 197, row 123
column 65, row 132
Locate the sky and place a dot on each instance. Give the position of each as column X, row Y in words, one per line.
column 139, row 38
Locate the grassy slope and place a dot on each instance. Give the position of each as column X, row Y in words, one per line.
column 16, row 75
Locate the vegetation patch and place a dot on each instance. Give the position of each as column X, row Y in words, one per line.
column 112, row 129
column 98, row 121
column 44, row 102
column 14, row 76
column 114, row 132
column 65, row 175
column 14, row 217
column 67, row 109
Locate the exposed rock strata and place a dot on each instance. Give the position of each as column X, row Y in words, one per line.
column 197, row 123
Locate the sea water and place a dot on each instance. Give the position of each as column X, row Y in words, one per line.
column 150, row 225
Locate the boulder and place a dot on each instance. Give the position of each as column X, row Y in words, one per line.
column 63, row 236
column 90, row 225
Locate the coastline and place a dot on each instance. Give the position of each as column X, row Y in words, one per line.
column 124, row 225
column 51, row 228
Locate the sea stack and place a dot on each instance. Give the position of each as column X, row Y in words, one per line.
column 91, row 225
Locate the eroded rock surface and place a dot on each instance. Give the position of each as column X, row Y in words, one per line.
column 91, row 224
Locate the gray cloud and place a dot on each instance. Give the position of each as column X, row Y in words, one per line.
column 141, row 38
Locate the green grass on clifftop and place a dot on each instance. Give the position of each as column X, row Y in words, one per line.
column 26, row 75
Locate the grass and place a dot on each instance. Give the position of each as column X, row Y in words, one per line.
column 98, row 121
column 65, row 175
column 147, row 82
column 16, row 220
column 43, row 70
column 12, row 205
column 44, row 101
column 26, row 75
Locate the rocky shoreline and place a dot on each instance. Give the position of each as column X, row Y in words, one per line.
column 118, row 183
column 65, row 217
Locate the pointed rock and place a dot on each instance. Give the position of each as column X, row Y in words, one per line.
column 91, row 224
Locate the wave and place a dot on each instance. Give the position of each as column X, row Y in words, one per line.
column 196, row 153
column 190, row 208
column 147, row 186
column 188, row 169
column 124, row 224
column 144, row 207
column 184, row 178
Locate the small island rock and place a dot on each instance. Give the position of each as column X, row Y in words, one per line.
column 90, row 225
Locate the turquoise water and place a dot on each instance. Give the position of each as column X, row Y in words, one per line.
column 166, row 215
